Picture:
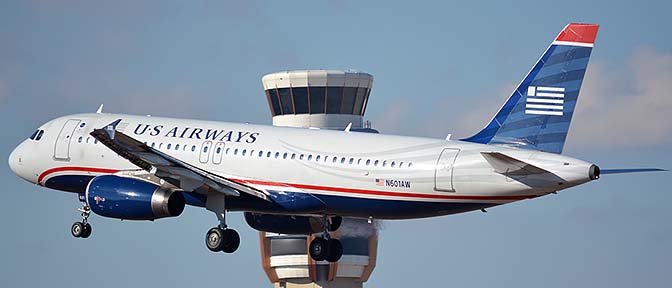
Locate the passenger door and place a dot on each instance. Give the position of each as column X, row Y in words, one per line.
column 62, row 146
column 443, row 173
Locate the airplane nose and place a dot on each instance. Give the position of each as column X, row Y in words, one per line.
column 17, row 163
column 14, row 161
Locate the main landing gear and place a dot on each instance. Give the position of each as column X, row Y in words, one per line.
column 324, row 247
column 220, row 238
column 82, row 229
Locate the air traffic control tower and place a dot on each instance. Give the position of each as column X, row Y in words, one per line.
column 325, row 99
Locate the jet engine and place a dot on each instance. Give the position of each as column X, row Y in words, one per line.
column 132, row 199
column 289, row 224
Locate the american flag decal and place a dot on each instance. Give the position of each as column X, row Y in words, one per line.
column 380, row 182
column 545, row 100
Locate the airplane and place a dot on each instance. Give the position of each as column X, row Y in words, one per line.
column 303, row 181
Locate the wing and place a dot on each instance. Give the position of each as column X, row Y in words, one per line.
column 168, row 168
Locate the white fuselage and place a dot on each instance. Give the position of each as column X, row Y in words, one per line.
column 353, row 173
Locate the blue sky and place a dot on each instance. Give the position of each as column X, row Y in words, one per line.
column 440, row 67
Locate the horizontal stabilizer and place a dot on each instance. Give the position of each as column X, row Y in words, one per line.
column 632, row 170
column 505, row 164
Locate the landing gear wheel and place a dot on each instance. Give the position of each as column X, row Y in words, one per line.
column 319, row 249
column 214, row 239
column 77, row 229
column 335, row 250
column 87, row 231
column 231, row 241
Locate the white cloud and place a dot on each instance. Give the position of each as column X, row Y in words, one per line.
column 625, row 105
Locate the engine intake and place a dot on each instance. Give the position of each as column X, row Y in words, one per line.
column 132, row 199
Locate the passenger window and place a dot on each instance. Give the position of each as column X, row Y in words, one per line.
column 205, row 149
column 193, row 148
column 293, row 156
column 160, row 145
column 244, row 152
column 284, row 156
column 177, row 146
column 79, row 140
column 252, row 152
column 261, row 153
column 401, row 164
column 268, row 154
column 219, row 150
column 392, row 164
column 351, row 161
column 359, row 161
column 88, row 138
column 317, row 158
column 87, row 141
column 310, row 157
column 385, row 163
column 342, row 160
column 334, row 159
column 368, row 162
column 235, row 151
column 95, row 141
column 277, row 154
column 375, row 163
column 301, row 157
column 410, row 164
column 168, row 146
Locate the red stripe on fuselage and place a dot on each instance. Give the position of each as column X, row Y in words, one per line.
column 315, row 187
column 385, row 193
column 73, row 168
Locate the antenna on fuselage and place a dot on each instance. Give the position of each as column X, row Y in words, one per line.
column 100, row 109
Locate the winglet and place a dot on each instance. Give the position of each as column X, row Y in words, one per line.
column 347, row 129
column 109, row 129
column 577, row 33
column 100, row 109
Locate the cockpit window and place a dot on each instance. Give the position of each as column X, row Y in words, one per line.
column 32, row 137
column 39, row 135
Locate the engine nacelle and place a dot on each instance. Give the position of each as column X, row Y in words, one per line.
column 132, row 199
column 288, row 224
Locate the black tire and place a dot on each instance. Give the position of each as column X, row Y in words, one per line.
column 77, row 229
column 214, row 239
column 87, row 230
column 231, row 241
column 319, row 249
column 335, row 223
column 335, row 250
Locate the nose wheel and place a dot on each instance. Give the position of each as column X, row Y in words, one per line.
column 82, row 229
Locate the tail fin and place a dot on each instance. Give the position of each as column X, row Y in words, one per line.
column 538, row 113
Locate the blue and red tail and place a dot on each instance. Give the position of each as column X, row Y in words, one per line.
column 538, row 113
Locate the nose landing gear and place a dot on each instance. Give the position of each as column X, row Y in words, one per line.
column 82, row 229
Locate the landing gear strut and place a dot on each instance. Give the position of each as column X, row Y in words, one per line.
column 220, row 238
column 82, row 229
column 324, row 247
